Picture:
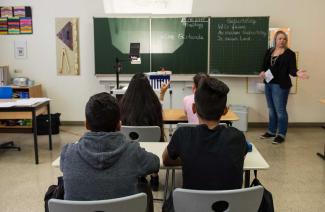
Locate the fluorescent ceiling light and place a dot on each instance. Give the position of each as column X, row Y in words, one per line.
column 148, row 6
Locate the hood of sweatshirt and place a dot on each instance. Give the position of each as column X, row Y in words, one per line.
column 101, row 149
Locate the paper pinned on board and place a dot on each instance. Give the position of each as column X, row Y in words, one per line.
column 268, row 76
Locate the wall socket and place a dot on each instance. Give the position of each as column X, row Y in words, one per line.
column 18, row 71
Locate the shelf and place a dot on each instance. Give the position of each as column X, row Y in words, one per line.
column 33, row 91
column 15, row 127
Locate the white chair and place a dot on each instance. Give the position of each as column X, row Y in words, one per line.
column 134, row 203
column 237, row 200
column 142, row 133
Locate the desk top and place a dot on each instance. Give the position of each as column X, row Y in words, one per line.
column 178, row 115
column 253, row 161
column 22, row 103
column 22, row 111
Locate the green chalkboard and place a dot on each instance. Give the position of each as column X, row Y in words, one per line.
column 225, row 46
column 179, row 44
column 238, row 44
column 112, row 37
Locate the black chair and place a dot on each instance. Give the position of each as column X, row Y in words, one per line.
column 9, row 145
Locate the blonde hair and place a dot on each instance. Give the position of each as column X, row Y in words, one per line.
column 276, row 36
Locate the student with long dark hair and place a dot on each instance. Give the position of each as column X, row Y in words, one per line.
column 140, row 106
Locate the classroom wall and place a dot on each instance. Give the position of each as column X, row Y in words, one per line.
column 70, row 93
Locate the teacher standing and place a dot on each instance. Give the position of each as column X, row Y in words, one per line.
column 279, row 62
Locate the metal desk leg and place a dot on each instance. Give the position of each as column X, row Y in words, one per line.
column 34, row 123
column 170, row 107
column 322, row 155
column 247, row 178
column 50, row 126
column 166, row 184
column 170, row 130
column 173, row 179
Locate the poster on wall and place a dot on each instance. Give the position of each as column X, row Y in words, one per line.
column 20, row 49
column 67, row 46
column 16, row 20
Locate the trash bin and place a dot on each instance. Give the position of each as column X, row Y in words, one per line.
column 242, row 112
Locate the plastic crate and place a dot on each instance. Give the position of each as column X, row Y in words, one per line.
column 5, row 92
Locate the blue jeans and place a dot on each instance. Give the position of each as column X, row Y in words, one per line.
column 277, row 99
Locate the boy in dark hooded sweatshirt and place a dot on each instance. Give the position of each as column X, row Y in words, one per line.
column 103, row 164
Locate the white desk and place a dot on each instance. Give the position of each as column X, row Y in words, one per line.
column 253, row 161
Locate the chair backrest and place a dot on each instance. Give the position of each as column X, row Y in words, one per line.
column 193, row 125
column 246, row 199
column 178, row 125
column 136, row 203
column 142, row 133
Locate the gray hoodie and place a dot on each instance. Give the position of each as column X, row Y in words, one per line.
column 103, row 166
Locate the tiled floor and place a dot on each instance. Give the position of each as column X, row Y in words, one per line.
column 296, row 176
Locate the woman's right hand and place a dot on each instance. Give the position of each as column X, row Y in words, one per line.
column 262, row 75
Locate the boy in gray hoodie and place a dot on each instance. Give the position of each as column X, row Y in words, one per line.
column 103, row 164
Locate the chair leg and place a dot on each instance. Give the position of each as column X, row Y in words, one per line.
column 9, row 145
column 173, row 179
column 322, row 155
column 166, row 184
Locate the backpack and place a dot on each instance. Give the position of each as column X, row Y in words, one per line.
column 267, row 199
column 54, row 192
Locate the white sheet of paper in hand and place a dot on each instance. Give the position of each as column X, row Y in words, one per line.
column 268, row 76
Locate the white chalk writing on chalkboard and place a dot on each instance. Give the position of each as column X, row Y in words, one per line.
column 237, row 44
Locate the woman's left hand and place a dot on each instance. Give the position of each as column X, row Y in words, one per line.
column 302, row 74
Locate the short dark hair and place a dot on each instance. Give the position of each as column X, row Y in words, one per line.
column 102, row 113
column 211, row 98
column 198, row 77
